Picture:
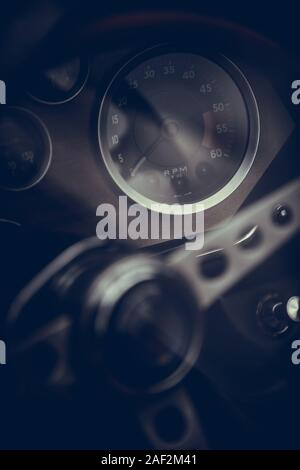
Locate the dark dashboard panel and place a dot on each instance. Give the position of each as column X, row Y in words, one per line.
column 77, row 181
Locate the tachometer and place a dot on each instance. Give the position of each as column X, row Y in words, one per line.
column 178, row 127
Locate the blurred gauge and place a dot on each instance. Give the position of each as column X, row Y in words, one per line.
column 178, row 127
column 25, row 149
column 60, row 84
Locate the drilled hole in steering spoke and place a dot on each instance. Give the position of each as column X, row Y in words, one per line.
column 171, row 424
column 214, row 265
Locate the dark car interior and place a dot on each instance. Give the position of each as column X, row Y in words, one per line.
column 139, row 343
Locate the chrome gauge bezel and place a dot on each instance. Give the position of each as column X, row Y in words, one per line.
column 71, row 94
column 253, row 139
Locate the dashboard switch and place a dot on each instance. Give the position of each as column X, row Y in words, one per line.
column 272, row 316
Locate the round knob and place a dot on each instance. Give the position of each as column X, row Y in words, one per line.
column 293, row 308
column 272, row 316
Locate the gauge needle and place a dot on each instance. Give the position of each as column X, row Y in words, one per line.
column 145, row 155
column 138, row 165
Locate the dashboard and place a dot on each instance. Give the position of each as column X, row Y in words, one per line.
column 194, row 123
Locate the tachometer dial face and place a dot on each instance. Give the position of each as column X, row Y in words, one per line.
column 178, row 127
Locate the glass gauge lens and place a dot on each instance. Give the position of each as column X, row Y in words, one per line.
column 59, row 84
column 175, row 127
column 25, row 149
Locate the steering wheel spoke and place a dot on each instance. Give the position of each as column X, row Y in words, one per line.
column 241, row 245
